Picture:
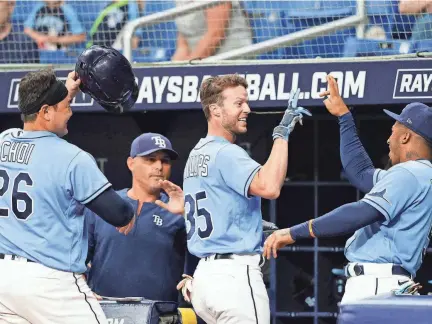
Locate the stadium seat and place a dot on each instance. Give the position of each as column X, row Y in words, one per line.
column 161, row 35
column 158, row 6
column 403, row 24
column 368, row 47
column 328, row 46
column 88, row 11
column 23, row 9
column 265, row 24
column 318, row 9
column 307, row 14
column 60, row 56
column 380, row 19
column 423, row 46
column 151, row 54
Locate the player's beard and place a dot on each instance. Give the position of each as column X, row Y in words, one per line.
column 230, row 124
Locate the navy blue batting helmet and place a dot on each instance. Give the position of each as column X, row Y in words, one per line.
column 107, row 76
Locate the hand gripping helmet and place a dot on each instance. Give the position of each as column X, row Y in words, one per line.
column 107, row 76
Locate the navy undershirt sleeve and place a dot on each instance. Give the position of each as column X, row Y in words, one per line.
column 191, row 263
column 357, row 164
column 340, row 221
column 111, row 208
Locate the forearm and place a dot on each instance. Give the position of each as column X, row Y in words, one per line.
column 273, row 173
column 33, row 34
column 355, row 161
column 340, row 221
column 412, row 6
column 70, row 39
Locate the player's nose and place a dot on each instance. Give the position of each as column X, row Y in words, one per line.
column 158, row 164
column 246, row 109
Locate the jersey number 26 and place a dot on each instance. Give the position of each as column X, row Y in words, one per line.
column 5, row 183
column 195, row 213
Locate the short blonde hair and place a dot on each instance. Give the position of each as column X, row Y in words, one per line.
column 212, row 88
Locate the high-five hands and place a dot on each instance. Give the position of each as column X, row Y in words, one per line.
column 292, row 116
column 176, row 201
column 332, row 99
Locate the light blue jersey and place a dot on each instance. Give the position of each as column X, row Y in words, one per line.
column 220, row 215
column 44, row 183
column 403, row 194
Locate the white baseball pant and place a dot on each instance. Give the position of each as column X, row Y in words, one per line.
column 230, row 290
column 378, row 279
column 33, row 293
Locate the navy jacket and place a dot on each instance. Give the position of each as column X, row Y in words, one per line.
column 148, row 262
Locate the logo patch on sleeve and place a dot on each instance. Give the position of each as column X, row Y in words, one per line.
column 380, row 194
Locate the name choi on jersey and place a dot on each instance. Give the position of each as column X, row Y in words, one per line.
column 16, row 152
column 197, row 166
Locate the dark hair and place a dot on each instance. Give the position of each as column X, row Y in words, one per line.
column 212, row 88
column 32, row 87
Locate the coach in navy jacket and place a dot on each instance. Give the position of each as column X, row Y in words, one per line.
column 149, row 261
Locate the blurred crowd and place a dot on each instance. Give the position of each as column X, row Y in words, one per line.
column 56, row 25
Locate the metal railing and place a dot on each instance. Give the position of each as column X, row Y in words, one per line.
column 132, row 26
column 359, row 20
column 290, row 39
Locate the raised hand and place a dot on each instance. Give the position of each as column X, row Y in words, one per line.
column 73, row 83
column 332, row 99
column 292, row 116
column 176, row 201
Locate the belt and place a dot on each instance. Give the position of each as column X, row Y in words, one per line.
column 359, row 270
column 219, row 256
column 230, row 256
column 14, row 257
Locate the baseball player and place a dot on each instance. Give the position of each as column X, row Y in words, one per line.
column 393, row 221
column 45, row 182
column 223, row 187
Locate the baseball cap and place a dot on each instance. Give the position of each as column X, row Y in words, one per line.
column 417, row 117
column 148, row 143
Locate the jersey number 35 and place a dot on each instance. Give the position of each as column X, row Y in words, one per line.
column 198, row 219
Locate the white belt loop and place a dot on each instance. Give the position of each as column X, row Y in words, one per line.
column 8, row 257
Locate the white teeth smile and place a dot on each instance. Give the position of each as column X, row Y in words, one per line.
column 242, row 119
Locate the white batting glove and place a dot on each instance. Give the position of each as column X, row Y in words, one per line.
column 186, row 287
column 408, row 288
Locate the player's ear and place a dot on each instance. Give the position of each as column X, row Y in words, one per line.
column 129, row 163
column 406, row 136
column 44, row 112
column 215, row 110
